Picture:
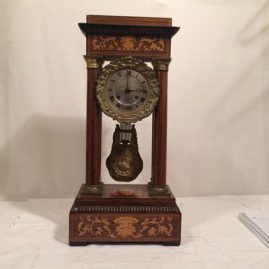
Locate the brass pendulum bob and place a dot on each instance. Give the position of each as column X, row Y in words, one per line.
column 124, row 162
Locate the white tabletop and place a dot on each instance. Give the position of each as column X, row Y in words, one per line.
column 34, row 234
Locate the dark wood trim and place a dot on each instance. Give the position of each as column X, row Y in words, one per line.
column 129, row 20
column 125, row 30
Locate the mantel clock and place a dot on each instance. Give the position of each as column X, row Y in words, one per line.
column 130, row 87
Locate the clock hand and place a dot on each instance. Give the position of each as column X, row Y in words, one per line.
column 127, row 81
column 137, row 90
column 127, row 90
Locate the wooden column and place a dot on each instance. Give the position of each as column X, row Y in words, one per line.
column 159, row 131
column 94, row 127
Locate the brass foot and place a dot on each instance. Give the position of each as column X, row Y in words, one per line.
column 93, row 189
column 155, row 190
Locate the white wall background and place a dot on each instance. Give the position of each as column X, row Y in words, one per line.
column 218, row 96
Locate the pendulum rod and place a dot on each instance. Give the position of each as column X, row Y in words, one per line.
column 125, row 136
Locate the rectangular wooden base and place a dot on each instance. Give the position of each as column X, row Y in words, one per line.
column 124, row 214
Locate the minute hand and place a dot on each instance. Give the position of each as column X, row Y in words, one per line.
column 127, row 86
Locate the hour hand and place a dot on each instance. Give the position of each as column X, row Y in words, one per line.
column 137, row 90
column 129, row 90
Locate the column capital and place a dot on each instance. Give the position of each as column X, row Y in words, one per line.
column 93, row 62
column 161, row 64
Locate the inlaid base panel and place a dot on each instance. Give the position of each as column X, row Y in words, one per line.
column 119, row 219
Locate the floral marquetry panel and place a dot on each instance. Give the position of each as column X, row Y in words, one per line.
column 128, row 45
column 120, row 228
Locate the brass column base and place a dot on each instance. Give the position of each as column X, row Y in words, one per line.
column 155, row 190
column 93, row 189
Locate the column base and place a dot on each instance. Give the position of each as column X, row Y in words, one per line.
column 155, row 190
column 92, row 189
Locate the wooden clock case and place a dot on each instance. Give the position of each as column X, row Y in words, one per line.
column 126, row 213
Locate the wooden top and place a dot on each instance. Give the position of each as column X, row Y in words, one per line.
column 127, row 20
column 131, row 26
column 113, row 36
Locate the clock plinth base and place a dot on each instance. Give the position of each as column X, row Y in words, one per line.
column 124, row 214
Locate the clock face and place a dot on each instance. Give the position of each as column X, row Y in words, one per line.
column 127, row 90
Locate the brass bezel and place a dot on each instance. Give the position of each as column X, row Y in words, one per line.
column 140, row 67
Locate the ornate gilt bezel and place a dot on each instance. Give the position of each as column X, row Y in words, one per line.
column 153, row 95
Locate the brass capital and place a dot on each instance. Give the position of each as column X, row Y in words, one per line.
column 93, row 62
column 161, row 64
